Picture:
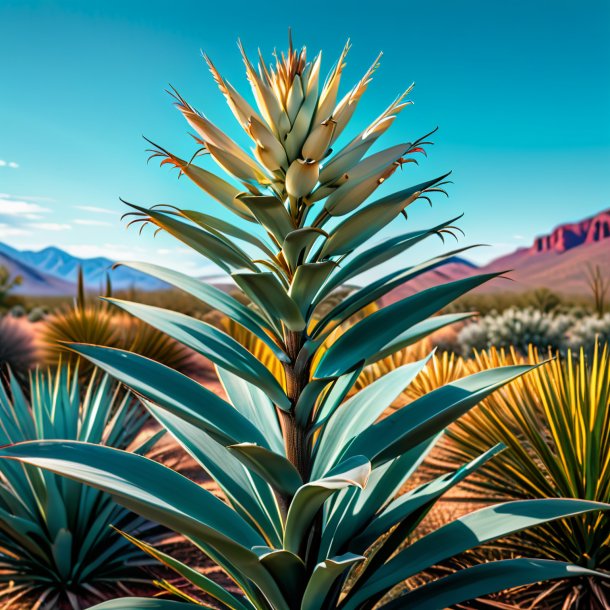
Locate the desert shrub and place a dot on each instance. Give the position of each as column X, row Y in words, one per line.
column 18, row 311
column 516, row 328
column 37, row 314
column 589, row 330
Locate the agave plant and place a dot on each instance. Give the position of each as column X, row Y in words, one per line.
column 312, row 518
column 56, row 543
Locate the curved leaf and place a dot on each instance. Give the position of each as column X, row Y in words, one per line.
column 174, row 392
column 375, row 331
column 311, row 496
column 487, row 578
column 210, row 342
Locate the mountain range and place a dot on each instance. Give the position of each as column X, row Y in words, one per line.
column 52, row 271
column 557, row 260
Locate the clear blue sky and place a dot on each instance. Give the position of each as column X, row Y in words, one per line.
column 520, row 91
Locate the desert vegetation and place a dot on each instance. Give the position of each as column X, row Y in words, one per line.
column 320, row 430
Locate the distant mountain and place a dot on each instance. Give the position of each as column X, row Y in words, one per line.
column 53, row 271
column 557, row 261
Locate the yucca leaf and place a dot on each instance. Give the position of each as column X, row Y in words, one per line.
column 255, row 406
column 467, row 532
column 157, row 493
column 323, row 577
column 222, row 228
column 415, row 500
column 226, row 255
column 361, row 411
column 215, row 298
column 145, row 603
column 416, row 333
column 487, row 578
column 363, row 224
column 374, row 256
column 374, row 332
column 272, row 467
column 271, row 213
column 376, row 290
column 247, row 493
column 265, row 290
column 210, row 342
column 298, row 243
column 306, row 283
column 311, row 496
column 218, row 188
column 174, row 392
column 430, row 414
column 287, row 569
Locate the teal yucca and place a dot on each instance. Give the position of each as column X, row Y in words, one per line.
column 55, row 536
column 312, row 520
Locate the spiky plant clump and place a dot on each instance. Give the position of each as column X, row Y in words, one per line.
column 311, row 519
column 555, row 423
column 56, row 544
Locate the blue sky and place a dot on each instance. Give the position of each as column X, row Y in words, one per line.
column 519, row 90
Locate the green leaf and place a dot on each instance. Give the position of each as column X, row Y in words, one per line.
column 210, row 342
column 287, row 569
column 487, row 578
column 264, row 290
column 375, row 331
column 247, row 493
column 272, row 467
column 416, row 333
column 380, row 253
column 472, row 530
column 306, row 283
column 271, row 213
column 298, row 244
column 430, row 414
column 374, row 291
column 221, row 252
column 311, row 496
column 362, row 225
column 415, row 500
column 221, row 227
column 174, row 392
column 215, row 298
column 360, row 412
column 323, row 577
column 255, row 406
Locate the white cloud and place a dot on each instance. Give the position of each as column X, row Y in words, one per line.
column 9, row 231
column 50, row 226
column 10, row 164
column 518, row 237
column 10, row 206
column 94, row 209
column 92, row 223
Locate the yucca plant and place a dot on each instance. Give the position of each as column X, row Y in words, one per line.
column 311, row 520
column 56, row 543
column 556, row 425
